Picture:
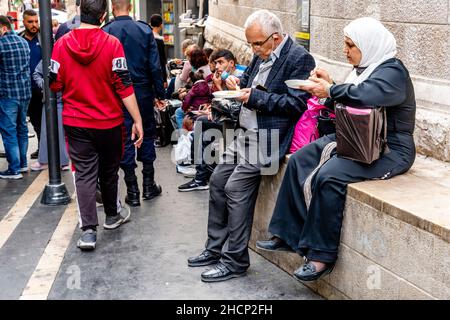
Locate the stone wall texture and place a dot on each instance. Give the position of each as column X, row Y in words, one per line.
column 422, row 30
column 3, row 7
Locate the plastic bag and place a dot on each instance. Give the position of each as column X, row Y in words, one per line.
column 182, row 150
column 225, row 109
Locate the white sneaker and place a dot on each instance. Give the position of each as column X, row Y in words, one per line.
column 187, row 171
column 65, row 168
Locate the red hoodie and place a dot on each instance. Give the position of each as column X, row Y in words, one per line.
column 92, row 73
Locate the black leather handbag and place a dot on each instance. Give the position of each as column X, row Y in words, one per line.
column 361, row 132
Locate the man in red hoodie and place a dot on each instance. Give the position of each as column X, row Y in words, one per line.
column 89, row 66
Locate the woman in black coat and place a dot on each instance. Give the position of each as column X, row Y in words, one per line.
column 309, row 210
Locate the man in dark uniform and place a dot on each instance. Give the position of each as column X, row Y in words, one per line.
column 142, row 57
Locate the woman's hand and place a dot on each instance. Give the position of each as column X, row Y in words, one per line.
column 321, row 74
column 182, row 95
column 320, row 88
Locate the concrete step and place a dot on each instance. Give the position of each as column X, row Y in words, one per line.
column 395, row 236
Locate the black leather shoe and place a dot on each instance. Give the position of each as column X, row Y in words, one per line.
column 132, row 199
column 274, row 244
column 220, row 272
column 2, row 155
column 308, row 272
column 149, row 192
column 203, row 259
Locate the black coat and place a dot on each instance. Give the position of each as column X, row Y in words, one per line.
column 388, row 86
column 162, row 57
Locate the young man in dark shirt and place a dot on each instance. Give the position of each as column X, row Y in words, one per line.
column 32, row 36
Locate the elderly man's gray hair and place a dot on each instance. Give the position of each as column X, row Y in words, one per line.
column 268, row 21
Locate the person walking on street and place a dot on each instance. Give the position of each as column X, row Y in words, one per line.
column 89, row 66
column 15, row 94
column 144, row 65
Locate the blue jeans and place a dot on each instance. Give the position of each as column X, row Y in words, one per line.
column 179, row 116
column 14, row 130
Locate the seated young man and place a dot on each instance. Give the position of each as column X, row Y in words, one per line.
column 224, row 65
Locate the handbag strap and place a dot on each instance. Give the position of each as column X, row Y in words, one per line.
column 324, row 157
column 384, row 146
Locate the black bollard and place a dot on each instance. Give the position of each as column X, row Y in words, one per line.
column 55, row 192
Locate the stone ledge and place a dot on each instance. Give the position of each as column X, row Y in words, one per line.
column 395, row 236
column 415, row 198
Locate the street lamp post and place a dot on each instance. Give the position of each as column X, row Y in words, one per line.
column 55, row 192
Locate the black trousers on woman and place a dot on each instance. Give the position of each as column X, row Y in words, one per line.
column 315, row 232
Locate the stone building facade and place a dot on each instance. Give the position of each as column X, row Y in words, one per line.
column 422, row 30
column 3, row 7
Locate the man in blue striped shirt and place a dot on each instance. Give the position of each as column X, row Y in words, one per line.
column 15, row 94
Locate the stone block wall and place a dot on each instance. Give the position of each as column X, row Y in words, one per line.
column 422, row 30
column 3, row 7
column 392, row 247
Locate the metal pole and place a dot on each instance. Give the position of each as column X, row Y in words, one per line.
column 55, row 192
column 176, row 23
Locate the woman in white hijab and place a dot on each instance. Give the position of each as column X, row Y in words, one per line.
column 310, row 223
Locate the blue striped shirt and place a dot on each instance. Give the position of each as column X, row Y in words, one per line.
column 15, row 80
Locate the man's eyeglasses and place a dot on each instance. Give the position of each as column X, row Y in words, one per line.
column 261, row 43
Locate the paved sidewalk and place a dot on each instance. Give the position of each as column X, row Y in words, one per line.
column 144, row 259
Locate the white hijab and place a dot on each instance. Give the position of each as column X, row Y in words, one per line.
column 376, row 43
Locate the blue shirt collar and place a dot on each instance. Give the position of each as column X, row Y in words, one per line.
column 277, row 52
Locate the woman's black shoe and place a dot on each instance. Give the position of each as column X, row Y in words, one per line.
column 274, row 244
column 308, row 272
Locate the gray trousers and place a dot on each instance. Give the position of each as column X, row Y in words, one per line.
column 43, row 146
column 232, row 198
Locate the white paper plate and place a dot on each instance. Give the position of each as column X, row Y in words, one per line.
column 295, row 84
column 227, row 94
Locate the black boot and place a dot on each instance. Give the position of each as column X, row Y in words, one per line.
column 133, row 195
column 150, row 188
